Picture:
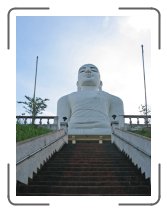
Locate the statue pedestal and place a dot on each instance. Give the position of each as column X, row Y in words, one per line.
column 89, row 138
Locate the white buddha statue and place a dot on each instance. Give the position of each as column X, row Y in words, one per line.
column 90, row 111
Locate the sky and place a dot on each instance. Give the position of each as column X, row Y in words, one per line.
column 64, row 43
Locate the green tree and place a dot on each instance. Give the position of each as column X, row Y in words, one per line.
column 34, row 106
column 142, row 110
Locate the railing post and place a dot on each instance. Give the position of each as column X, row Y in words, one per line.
column 100, row 139
column 138, row 120
column 146, row 121
column 55, row 121
column 73, row 139
column 18, row 120
column 130, row 121
column 25, row 121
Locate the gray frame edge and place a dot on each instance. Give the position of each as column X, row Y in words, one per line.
column 148, row 8
column 8, row 19
column 19, row 204
column 159, row 193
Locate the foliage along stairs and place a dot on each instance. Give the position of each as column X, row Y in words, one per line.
column 87, row 169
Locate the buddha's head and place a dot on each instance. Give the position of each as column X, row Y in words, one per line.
column 88, row 75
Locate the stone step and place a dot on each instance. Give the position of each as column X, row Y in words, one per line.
column 81, row 154
column 45, row 177
column 88, row 160
column 89, row 183
column 84, row 190
column 86, row 169
column 89, row 173
column 83, row 194
column 88, row 155
column 89, row 165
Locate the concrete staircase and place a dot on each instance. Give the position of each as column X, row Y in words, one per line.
column 85, row 169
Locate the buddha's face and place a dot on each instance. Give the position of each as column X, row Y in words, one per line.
column 88, row 75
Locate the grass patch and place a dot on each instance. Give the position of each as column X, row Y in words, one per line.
column 24, row 132
column 144, row 132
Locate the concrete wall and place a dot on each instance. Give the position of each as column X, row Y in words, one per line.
column 26, row 167
column 137, row 147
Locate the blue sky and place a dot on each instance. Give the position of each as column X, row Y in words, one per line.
column 63, row 44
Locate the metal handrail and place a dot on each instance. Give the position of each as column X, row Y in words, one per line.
column 137, row 148
column 40, row 149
